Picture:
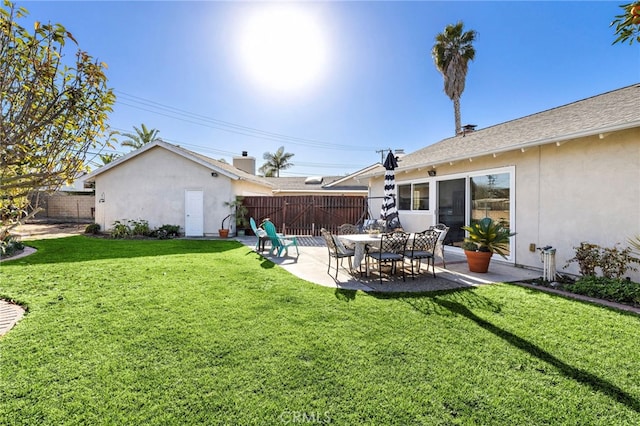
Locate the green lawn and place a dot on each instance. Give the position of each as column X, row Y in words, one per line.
column 208, row 332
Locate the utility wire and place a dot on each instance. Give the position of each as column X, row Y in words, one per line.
column 221, row 152
column 202, row 120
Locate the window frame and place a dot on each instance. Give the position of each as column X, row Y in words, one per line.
column 411, row 185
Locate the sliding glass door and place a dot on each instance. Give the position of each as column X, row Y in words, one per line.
column 452, row 209
column 491, row 197
column 471, row 197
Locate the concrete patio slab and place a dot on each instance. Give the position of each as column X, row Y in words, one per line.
column 311, row 265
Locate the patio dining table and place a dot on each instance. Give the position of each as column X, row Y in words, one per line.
column 360, row 242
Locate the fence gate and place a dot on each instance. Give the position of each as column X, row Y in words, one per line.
column 307, row 214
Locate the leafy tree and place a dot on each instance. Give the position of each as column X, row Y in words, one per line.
column 276, row 162
column 451, row 53
column 141, row 137
column 628, row 23
column 52, row 111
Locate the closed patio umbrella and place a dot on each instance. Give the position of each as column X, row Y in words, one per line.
column 389, row 210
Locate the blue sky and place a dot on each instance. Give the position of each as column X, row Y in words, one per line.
column 177, row 67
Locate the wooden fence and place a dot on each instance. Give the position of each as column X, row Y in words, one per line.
column 307, row 214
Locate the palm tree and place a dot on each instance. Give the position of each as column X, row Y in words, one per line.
column 141, row 137
column 107, row 158
column 451, row 53
column 276, row 162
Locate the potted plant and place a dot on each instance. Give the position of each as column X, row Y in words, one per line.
column 224, row 232
column 484, row 238
column 241, row 216
column 240, row 213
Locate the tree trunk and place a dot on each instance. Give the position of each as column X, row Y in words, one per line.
column 456, row 112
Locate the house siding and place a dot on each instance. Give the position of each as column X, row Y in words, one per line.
column 586, row 189
column 153, row 188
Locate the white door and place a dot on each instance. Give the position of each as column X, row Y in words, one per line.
column 194, row 214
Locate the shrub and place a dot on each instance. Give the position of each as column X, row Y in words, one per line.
column 120, row 230
column 140, row 228
column 587, row 256
column 10, row 245
column 615, row 290
column 93, row 228
column 167, row 231
column 613, row 262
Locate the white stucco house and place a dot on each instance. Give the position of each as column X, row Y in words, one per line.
column 558, row 178
column 166, row 184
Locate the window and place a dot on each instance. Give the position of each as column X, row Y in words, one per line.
column 413, row 196
column 491, row 197
column 420, row 196
column 404, row 197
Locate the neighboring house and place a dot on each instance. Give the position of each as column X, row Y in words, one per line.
column 166, row 184
column 559, row 177
column 322, row 185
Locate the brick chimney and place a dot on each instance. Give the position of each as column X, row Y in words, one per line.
column 245, row 163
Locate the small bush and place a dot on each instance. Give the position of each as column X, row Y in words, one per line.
column 10, row 245
column 588, row 257
column 613, row 262
column 120, row 230
column 93, row 228
column 140, row 228
column 166, row 232
column 615, row 290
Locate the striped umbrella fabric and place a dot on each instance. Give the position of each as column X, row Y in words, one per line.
column 389, row 210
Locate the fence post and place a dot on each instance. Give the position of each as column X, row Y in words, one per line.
column 284, row 217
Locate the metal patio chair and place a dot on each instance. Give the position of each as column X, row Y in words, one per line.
column 422, row 247
column 336, row 250
column 391, row 250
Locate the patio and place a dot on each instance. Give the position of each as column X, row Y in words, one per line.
column 311, row 265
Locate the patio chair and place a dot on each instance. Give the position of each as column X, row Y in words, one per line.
column 279, row 243
column 442, row 229
column 391, row 250
column 422, row 247
column 260, row 233
column 336, row 250
column 348, row 229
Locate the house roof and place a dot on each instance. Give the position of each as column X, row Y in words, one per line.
column 598, row 115
column 322, row 184
column 214, row 165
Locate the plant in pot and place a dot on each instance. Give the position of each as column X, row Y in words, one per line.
column 240, row 213
column 224, row 232
column 484, row 238
column 242, row 223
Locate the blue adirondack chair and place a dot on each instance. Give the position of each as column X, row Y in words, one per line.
column 279, row 243
column 260, row 233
